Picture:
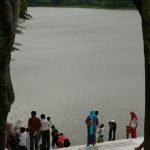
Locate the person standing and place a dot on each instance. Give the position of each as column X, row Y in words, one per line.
column 17, row 126
column 45, row 133
column 112, row 130
column 49, row 120
column 131, row 128
column 54, row 134
column 22, row 139
column 101, row 133
column 12, row 138
column 92, row 123
column 34, row 126
column 28, row 139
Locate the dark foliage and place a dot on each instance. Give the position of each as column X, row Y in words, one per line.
column 97, row 3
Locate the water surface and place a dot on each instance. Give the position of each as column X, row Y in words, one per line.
column 73, row 60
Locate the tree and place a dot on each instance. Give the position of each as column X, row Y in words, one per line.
column 116, row 3
column 23, row 9
column 143, row 7
column 9, row 12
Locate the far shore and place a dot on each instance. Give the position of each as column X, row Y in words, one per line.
column 84, row 6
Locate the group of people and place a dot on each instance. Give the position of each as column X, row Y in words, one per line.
column 36, row 136
column 92, row 123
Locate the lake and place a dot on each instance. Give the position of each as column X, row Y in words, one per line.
column 73, row 60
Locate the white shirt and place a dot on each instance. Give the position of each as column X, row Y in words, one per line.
column 23, row 139
column 45, row 125
column 28, row 140
column 102, row 130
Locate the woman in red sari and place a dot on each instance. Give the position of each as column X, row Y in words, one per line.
column 133, row 125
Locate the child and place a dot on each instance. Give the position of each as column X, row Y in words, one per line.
column 101, row 133
column 22, row 139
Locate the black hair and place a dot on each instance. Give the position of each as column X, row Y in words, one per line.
column 101, row 125
column 48, row 118
column 53, row 127
column 42, row 116
column 96, row 112
column 60, row 134
column 22, row 129
column 33, row 113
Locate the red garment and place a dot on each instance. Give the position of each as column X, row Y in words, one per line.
column 34, row 125
column 133, row 132
column 61, row 140
column 133, row 115
column 133, row 125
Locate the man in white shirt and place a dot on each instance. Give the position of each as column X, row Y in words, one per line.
column 22, row 139
column 49, row 120
column 45, row 133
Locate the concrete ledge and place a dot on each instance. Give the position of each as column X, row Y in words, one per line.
column 124, row 144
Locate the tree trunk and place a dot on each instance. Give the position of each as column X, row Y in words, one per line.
column 146, row 35
column 144, row 8
column 9, row 10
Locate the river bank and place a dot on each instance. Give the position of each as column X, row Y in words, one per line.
column 124, row 144
column 73, row 60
